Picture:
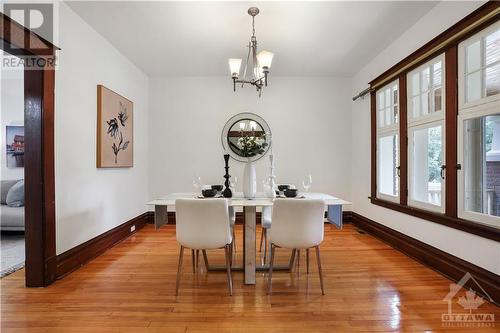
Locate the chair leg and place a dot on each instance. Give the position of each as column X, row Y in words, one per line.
column 264, row 237
column 292, row 259
column 261, row 240
column 307, row 260
column 228, row 269
column 205, row 259
column 179, row 271
column 197, row 259
column 193, row 257
column 320, row 270
column 270, row 277
column 298, row 261
column 234, row 240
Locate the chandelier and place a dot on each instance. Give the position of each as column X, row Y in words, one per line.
column 261, row 62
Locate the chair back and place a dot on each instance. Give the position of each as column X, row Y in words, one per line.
column 202, row 223
column 297, row 223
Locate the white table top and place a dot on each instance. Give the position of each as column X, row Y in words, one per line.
column 238, row 199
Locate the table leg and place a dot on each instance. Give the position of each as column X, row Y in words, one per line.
column 249, row 244
column 161, row 216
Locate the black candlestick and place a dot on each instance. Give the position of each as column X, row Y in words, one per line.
column 227, row 193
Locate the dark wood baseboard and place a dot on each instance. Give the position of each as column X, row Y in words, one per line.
column 444, row 263
column 76, row 257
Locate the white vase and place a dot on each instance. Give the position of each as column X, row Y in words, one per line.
column 249, row 180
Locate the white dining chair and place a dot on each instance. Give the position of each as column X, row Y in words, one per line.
column 232, row 220
column 297, row 224
column 203, row 225
column 265, row 221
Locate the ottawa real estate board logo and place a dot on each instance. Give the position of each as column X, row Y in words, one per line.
column 468, row 313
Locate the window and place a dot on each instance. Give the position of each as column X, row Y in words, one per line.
column 388, row 142
column 435, row 130
column 479, row 67
column 479, row 127
column 425, row 91
column 426, row 135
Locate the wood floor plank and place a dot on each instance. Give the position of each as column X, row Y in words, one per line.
column 370, row 287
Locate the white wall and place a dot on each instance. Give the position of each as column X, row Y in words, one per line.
column 90, row 201
column 480, row 251
column 309, row 120
column 11, row 113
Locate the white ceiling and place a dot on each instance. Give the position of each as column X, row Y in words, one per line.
column 197, row 38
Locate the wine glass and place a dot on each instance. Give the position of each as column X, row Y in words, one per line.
column 233, row 182
column 197, row 184
column 307, row 182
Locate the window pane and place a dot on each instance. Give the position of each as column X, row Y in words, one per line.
column 482, row 165
column 474, row 57
column 473, row 82
column 492, row 80
column 388, row 117
column 492, row 46
column 416, row 106
column 426, row 165
column 425, row 103
column 388, row 162
column 380, row 100
column 426, row 79
column 381, row 118
column 415, row 84
column 387, row 97
column 395, row 114
column 437, row 75
column 438, row 99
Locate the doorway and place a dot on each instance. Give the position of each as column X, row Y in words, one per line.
column 39, row 212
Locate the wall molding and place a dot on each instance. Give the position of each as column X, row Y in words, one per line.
column 78, row 256
column 442, row 262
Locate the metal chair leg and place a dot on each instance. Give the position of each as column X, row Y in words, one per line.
column 179, row 271
column 264, row 236
column 298, row 261
column 261, row 240
column 228, row 269
column 197, row 259
column 320, row 270
column 193, row 257
column 234, row 240
column 292, row 259
column 270, row 277
column 307, row 260
column 205, row 259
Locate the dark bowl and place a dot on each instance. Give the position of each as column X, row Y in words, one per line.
column 218, row 188
column 208, row 193
column 291, row 193
column 283, row 187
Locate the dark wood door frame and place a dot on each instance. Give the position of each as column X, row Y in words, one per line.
column 39, row 175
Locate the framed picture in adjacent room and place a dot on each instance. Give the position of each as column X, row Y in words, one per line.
column 115, row 130
column 14, row 146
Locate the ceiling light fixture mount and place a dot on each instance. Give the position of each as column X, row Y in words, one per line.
column 261, row 62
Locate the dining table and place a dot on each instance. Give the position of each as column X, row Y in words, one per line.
column 333, row 207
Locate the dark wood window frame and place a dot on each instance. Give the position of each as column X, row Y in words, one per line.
column 40, row 231
column 446, row 43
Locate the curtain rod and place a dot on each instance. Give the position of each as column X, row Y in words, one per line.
column 362, row 94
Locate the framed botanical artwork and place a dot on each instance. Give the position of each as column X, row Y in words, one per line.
column 115, row 130
column 14, row 146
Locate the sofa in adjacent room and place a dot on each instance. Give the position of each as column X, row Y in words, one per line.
column 12, row 205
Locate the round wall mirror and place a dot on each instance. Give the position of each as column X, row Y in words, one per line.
column 246, row 136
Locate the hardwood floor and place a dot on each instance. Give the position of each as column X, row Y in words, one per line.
column 369, row 286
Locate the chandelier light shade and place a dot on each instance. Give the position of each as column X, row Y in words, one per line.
column 257, row 64
column 265, row 59
column 234, row 66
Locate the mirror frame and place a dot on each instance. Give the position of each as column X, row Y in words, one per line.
column 237, row 118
